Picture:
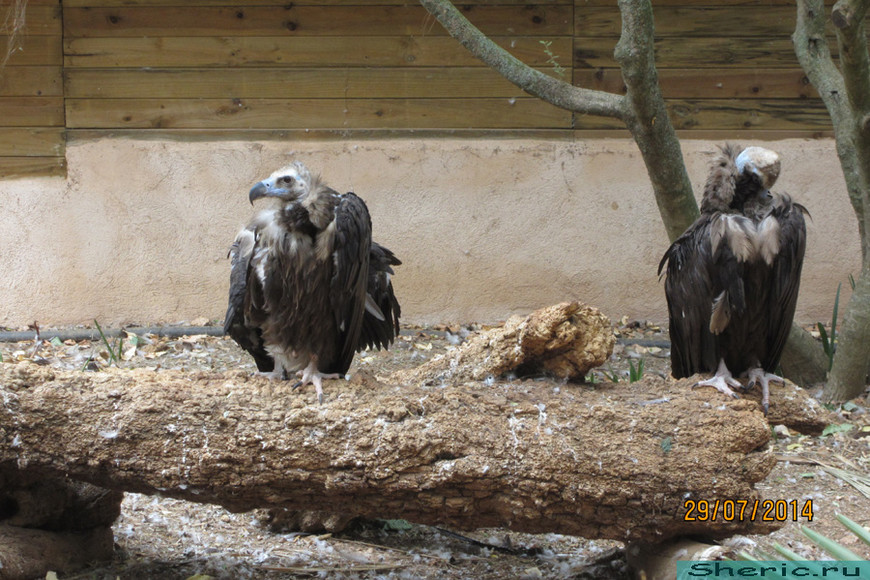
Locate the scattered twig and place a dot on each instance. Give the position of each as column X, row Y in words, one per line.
column 382, row 547
column 36, row 340
column 523, row 551
column 331, row 569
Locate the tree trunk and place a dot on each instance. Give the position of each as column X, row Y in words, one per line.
column 650, row 124
column 848, row 375
column 613, row 461
column 847, row 98
column 803, row 360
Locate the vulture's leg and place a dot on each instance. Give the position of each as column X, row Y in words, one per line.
column 721, row 381
column 276, row 374
column 759, row 375
column 310, row 375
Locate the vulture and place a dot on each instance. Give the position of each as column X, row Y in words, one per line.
column 308, row 286
column 732, row 278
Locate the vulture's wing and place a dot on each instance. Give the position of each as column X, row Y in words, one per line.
column 249, row 337
column 785, row 279
column 351, row 247
column 380, row 323
column 689, row 289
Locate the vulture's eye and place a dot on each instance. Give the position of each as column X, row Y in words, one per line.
column 286, row 180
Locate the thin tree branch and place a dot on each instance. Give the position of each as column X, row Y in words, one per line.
column 534, row 82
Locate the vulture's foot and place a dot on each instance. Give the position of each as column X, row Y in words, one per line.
column 277, row 375
column 722, row 381
column 310, row 375
column 759, row 375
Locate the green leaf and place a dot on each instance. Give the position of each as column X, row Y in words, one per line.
column 635, row 373
column 837, row 428
column 834, row 326
column 396, row 525
column 667, row 444
column 105, row 341
column 788, row 554
column 855, row 528
column 835, row 549
column 56, row 341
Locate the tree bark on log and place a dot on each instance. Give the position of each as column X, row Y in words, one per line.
column 601, row 461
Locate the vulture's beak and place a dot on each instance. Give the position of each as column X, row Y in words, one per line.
column 264, row 189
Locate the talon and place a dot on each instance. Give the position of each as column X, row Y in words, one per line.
column 722, row 381
column 758, row 375
column 310, row 375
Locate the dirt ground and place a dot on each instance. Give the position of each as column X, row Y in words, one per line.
column 165, row 538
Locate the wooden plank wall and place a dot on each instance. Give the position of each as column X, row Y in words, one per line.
column 31, row 89
column 314, row 67
column 727, row 67
column 309, row 65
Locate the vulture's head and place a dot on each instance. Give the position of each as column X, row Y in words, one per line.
column 289, row 183
column 757, row 170
column 760, row 162
column 739, row 177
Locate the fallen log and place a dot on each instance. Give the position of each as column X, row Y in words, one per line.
column 600, row 461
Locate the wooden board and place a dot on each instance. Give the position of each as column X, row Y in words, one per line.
column 737, row 83
column 766, row 52
column 243, row 3
column 739, row 115
column 413, row 83
column 17, row 167
column 302, row 83
column 736, row 116
column 294, row 20
column 694, row 21
column 314, row 114
column 381, row 51
column 6, row 3
column 40, row 20
column 31, row 142
column 31, row 111
column 31, row 81
column 34, row 50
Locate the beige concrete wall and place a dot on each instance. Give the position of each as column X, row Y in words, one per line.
column 138, row 232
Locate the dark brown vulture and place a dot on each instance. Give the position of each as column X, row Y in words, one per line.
column 308, row 286
column 733, row 276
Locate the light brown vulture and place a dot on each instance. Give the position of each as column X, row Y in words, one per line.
column 733, row 276
column 308, row 286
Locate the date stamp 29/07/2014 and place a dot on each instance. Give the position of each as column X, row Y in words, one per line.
column 738, row 510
